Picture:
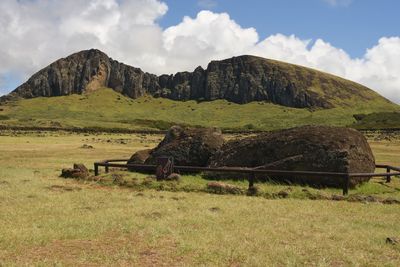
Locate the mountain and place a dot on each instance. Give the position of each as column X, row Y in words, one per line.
column 240, row 80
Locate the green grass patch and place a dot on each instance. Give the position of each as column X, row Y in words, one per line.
column 378, row 120
column 107, row 109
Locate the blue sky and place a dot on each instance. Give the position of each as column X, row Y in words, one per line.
column 355, row 39
column 351, row 25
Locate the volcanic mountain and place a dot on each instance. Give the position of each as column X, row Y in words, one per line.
column 241, row 79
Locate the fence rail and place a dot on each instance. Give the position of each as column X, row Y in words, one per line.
column 346, row 177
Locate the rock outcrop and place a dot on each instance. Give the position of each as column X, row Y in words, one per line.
column 188, row 146
column 239, row 79
column 307, row 148
column 87, row 71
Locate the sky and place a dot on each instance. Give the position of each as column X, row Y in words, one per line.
column 355, row 39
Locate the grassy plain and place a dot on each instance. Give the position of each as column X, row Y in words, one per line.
column 107, row 109
column 46, row 220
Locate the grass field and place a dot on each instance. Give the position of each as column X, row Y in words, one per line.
column 49, row 221
column 107, row 109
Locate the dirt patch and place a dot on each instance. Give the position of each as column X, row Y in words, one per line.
column 4, row 183
column 214, row 209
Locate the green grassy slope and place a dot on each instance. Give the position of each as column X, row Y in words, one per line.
column 106, row 108
column 378, row 120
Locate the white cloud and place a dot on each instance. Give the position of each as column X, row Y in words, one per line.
column 379, row 68
column 34, row 33
column 208, row 36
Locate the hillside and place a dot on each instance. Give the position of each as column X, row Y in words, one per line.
column 105, row 108
column 241, row 80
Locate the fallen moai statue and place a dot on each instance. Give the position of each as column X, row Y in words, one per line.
column 306, row 148
column 140, row 156
column 188, row 146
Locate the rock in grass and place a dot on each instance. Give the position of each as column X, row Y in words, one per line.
column 306, row 148
column 86, row 146
column 140, row 156
column 79, row 171
column 283, row 194
column 392, row 240
column 173, row 177
column 337, row 198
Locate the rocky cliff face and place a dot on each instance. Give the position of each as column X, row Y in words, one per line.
column 239, row 79
column 87, row 71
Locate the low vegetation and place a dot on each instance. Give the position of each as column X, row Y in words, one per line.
column 47, row 220
column 378, row 120
column 107, row 109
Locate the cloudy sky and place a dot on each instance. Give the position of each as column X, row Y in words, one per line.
column 355, row 39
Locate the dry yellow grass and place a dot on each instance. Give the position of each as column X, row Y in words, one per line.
column 47, row 221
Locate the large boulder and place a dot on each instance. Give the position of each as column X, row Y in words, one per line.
column 188, row 146
column 306, row 148
column 139, row 157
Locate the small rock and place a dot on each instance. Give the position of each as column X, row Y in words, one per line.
column 173, row 177
column 85, row 146
column 392, row 240
column 370, row 199
column 80, row 167
column 283, row 194
column 78, row 171
column 337, row 197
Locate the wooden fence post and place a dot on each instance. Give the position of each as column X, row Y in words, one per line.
column 388, row 177
column 346, row 184
column 251, row 180
column 96, row 169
